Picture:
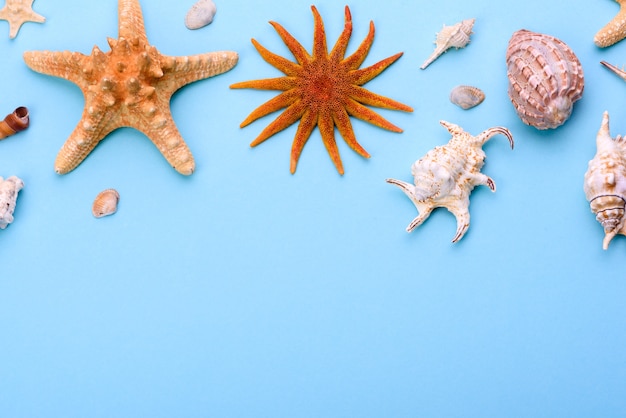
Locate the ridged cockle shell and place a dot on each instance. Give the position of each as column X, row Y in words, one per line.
column 605, row 182
column 447, row 174
column 467, row 97
column 105, row 203
column 545, row 78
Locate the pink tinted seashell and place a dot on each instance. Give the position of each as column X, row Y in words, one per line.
column 105, row 203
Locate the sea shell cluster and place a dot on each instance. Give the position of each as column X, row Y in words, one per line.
column 9, row 189
column 105, row 203
column 605, row 182
column 455, row 36
column 447, row 174
column 200, row 14
column 14, row 122
column 545, row 78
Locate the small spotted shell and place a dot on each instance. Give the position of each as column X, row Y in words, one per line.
column 467, row 97
column 105, row 203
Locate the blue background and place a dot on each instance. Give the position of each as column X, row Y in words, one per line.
column 245, row 291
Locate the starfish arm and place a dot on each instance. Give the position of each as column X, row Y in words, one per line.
column 288, row 67
column 285, row 120
column 279, row 102
column 327, row 129
column 355, row 60
column 339, row 50
column 94, row 126
column 342, row 120
column 320, row 49
column 163, row 132
column 280, row 83
column 16, row 20
column 294, row 46
column 366, row 97
column 67, row 65
column 305, row 128
column 362, row 76
column 365, row 114
column 130, row 20
column 180, row 71
column 614, row 31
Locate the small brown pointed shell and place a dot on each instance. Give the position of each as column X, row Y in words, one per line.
column 467, row 97
column 545, row 78
column 14, row 122
column 105, row 203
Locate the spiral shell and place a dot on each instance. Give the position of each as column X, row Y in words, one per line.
column 545, row 79
column 14, row 122
column 467, row 97
column 605, row 182
column 105, row 203
column 457, row 36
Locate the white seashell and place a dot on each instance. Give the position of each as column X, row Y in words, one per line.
column 457, row 36
column 605, row 182
column 447, row 174
column 467, row 97
column 8, row 197
column 105, row 203
column 200, row 14
column 545, row 79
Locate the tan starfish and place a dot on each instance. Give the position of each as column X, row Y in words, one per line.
column 129, row 86
column 18, row 12
column 615, row 30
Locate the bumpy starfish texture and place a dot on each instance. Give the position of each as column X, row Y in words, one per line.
column 322, row 90
column 129, row 86
column 18, row 12
column 615, row 30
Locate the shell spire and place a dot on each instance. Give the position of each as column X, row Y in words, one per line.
column 457, row 36
column 14, row 122
column 605, row 182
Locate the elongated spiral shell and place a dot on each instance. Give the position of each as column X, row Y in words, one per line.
column 605, row 182
column 14, row 122
column 105, row 203
column 545, row 79
column 455, row 36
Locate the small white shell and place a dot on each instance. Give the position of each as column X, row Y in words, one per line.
column 8, row 196
column 467, row 97
column 200, row 14
column 457, row 36
column 105, row 203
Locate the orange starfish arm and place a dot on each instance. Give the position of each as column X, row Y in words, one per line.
column 339, row 50
column 294, row 46
column 320, row 49
column 285, row 120
column 305, row 128
column 365, row 96
column 280, row 83
column 283, row 64
column 68, row 65
column 170, row 143
column 362, row 76
column 365, row 114
column 185, row 70
column 279, row 102
column 355, row 60
column 327, row 129
column 342, row 120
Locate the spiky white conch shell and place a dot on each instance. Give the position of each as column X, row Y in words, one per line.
column 447, row 174
column 455, row 36
column 8, row 197
column 605, row 182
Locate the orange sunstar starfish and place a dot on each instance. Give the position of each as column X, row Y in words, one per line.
column 322, row 89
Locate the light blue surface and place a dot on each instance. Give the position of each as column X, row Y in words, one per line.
column 245, row 291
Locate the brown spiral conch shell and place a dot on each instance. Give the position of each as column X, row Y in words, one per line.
column 605, row 182
column 545, row 79
column 105, row 203
column 14, row 122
